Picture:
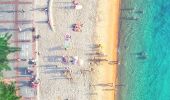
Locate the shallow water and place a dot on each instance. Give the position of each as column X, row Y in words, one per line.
column 144, row 50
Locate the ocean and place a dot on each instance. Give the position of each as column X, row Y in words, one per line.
column 144, row 50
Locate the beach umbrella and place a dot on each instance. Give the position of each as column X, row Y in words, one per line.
column 78, row 7
column 80, row 62
column 75, row 59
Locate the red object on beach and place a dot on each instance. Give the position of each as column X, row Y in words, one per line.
column 77, row 27
column 34, row 85
column 75, row 2
column 77, row 30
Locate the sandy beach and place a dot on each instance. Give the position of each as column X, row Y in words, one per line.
column 100, row 25
column 72, row 65
column 73, row 49
column 107, row 29
column 54, row 84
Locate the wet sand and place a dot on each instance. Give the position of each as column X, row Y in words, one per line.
column 107, row 29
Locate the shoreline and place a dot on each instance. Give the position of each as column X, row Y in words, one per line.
column 108, row 14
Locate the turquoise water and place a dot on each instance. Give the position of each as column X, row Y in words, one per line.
column 144, row 48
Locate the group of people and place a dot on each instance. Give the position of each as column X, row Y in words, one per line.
column 77, row 27
column 74, row 60
column 77, row 5
column 34, row 82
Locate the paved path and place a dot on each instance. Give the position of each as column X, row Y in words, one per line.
column 17, row 14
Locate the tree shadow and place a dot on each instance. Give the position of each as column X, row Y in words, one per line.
column 6, row 30
column 21, row 70
column 23, row 83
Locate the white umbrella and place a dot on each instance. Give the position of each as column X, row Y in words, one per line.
column 78, row 7
column 75, row 57
column 81, row 62
column 75, row 60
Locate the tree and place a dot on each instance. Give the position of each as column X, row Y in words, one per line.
column 5, row 49
column 8, row 91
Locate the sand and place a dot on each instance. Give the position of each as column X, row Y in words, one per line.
column 107, row 28
column 101, row 28
column 53, row 85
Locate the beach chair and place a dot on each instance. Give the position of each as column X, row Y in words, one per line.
column 78, row 7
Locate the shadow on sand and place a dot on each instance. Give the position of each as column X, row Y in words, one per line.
column 53, row 58
column 56, row 48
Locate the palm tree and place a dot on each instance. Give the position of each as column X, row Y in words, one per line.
column 8, row 91
column 5, row 49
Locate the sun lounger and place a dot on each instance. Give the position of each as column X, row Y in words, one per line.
column 78, row 7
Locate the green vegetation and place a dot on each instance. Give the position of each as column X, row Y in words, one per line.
column 8, row 91
column 5, row 49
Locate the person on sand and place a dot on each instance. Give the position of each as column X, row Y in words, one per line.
column 32, row 62
column 77, row 30
column 35, row 83
column 65, row 48
column 36, row 37
column 33, row 29
column 22, row 11
column 77, row 5
column 38, row 53
column 99, row 45
column 77, row 27
column 75, row 2
column 30, row 70
column 65, row 59
column 67, row 37
column 78, row 24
